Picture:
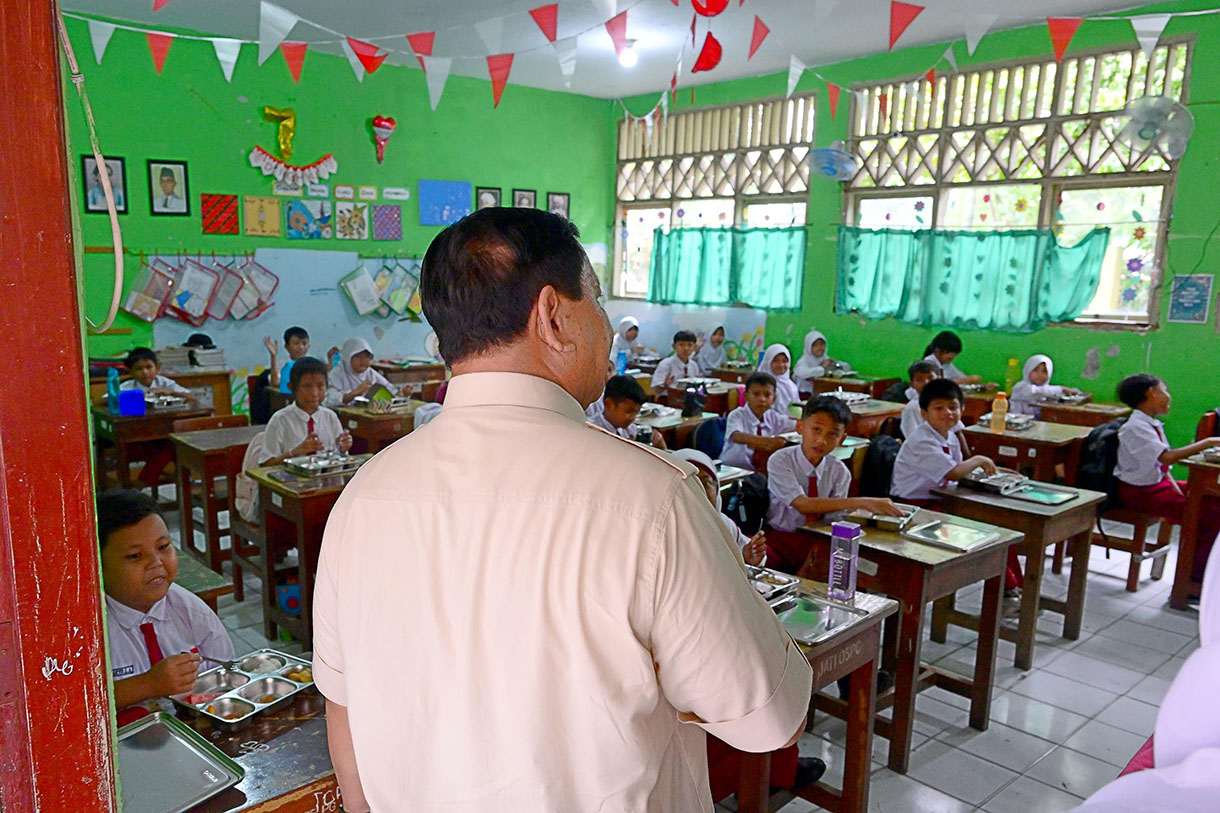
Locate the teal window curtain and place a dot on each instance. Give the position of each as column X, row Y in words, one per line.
column 1012, row 280
column 763, row 268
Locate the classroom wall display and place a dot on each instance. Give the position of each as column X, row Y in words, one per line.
column 288, row 188
column 366, row 193
column 262, row 216
column 558, row 203
column 351, row 220
column 218, row 213
column 443, row 202
column 485, row 197
column 387, row 222
column 345, row 192
column 525, row 198
column 744, row 328
column 167, row 188
column 1191, row 298
column 95, row 196
column 308, row 219
column 317, row 190
column 395, row 193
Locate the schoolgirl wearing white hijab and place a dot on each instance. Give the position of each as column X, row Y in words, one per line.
column 813, row 361
column 753, row 549
column 625, row 338
column 355, row 375
column 712, row 354
column 1035, row 384
column 775, row 361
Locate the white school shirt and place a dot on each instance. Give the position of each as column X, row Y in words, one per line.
column 923, row 462
column 599, row 605
column 1141, row 441
column 1024, row 394
column 159, row 383
column 596, row 413
column 788, row 473
column 289, row 427
column 674, row 366
column 742, row 419
column 181, row 621
column 949, row 371
column 912, row 415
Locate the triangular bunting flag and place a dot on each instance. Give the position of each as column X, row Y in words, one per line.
column 492, row 33
column 665, row 106
column 226, row 54
column 693, row 19
column 616, row 27
column 421, row 43
column 883, row 102
column 436, row 71
column 950, row 57
column 352, row 59
column 930, row 76
column 294, row 58
column 274, row 25
column 100, row 33
column 756, row 39
column 159, row 4
column 1148, row 29
column 547, row 18
column 565, row 52
column 977, row 25
column 498, row 67
column 158, row 44
column 709, row 54
column 648, row 126
column 832, row 91
column 795, row 69
column 673, row 87
column 901, row 16
column 367, row 54
column 1062, row 29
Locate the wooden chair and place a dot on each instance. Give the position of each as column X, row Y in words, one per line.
column 210, row 422
column 1137, row 545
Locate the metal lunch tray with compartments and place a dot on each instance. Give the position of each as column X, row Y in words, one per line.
column 811, row 619
column 1211, row 455
column 885, row 522
column 1018, row 487
column 1013, row 422
column 969, row 389
column 165, row 766
column 323, row 463
column 164, row 401
column 1068, row 400
column 851, row 398
column 697, row 381
column 262, row 681
column 772, row 585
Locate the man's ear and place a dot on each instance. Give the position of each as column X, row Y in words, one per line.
column 550, row 319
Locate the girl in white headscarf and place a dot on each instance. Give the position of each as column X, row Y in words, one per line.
column 355, row 375
column 775, row 361
column 753, row 549
column 625, row 338
column 813, row 361
column 712, row 354
column 1035, row 385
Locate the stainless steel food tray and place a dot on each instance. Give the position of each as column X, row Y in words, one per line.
column 167, row 767
column 234, row 695
column 884, row 522
column 323, row 464
column 772, row 585
column 812, row 619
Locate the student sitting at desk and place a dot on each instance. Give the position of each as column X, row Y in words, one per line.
column 1035, row 384
column 919, row 374
column 678, row 366
column 618, row 408
column 296, row 342
column 753, row 548
column 813, row 361
column 713, row 353
column 158, row 631
column 304, row 426
column 942, row 351
column 754, row 426
column 146, row 375
column 808, row 483
column 355, row 374
column 625, row 339
column 775, row 361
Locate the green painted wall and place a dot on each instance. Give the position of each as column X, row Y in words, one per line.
column 535, row 140
column 1184, row 355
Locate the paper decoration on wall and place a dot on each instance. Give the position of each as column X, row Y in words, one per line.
column 353, row 60
column 294, row 58
column 345, row 192
column 395, row 193
column 351, row 220
column 709, row 8
column 436, row 71
column 287, row 129
column 218, row 213
column 159, row 4
column 274, row 24
column 1062, row 29
column 383, row 128
column 308, row 219
column 227, row 51
column 262, row 216
column 158, row 46
column 950, row 57
column 1148, row 30
column 616, row 27
column 756, row 38
column 1190, row 299
column 366, row 192
column 498, row 67
column 317, row 190
column 310, row 173
column 100, row 34
column 901, row 16
column 547, row 18
column 977, row 25
column 795, row 69
column 709, row 55
column 367, row 54
column 387, row 222
column 421, row 43
column 443, row 202
column 398, row 290
column 832, row 92
column 565, row 53
column 361, row 290
column 492, row 33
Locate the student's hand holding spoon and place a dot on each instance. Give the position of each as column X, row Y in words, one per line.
column 174, row 675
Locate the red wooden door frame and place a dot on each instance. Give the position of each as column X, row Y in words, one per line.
column 55, row 731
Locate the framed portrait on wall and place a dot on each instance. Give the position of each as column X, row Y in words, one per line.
column 558, row 203
column 525, row 198
column 167, row 188
column 95, row 197
column 485, row 197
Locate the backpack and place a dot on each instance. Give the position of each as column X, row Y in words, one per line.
column 878, row 468
column 709, row 437
column 896, row 393
column 746, row 503
column 260, row 398
column 1098, row 457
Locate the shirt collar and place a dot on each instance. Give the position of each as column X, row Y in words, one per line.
column 1141, row 415
column 511, row 389
column 300, row 413
column 130, row 618
column 911, row 394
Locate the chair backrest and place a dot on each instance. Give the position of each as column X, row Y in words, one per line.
column 210, row 422
column 1207, row 425
column 259, row 398
column 243, row 491
column 877, row 472
column 709, row 437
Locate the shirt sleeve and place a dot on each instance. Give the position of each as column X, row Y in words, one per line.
column 208, row 633
column 838, row 481
column 782, row 479
column 171, row 385
column 910, row 418
column 931, row 461
column 334, row 396
column 327, row 656
column 721, row 653
column 660, row 374
column 274, row 440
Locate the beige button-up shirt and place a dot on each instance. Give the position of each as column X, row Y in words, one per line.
column 520, row 610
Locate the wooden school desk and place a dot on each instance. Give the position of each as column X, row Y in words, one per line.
column 278, row 400
column 870, row 384
column 203, row 454
column 676, row 429
column 120, row 431
column 410, row 372
column 733, row 375
column 977, row 404
column 721, row 398
column 917, row 574
column 1043, row 526
column 866, row 417
column 1202, row 481
column 1034, row 451
column 852, row 652
column 213, row 384
column 203, row 582
column 301, row 504
column 371, row 431
column 1088, row 415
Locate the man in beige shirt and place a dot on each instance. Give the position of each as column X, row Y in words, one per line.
column 517, row 611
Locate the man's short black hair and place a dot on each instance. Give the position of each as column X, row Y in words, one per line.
column 939, row 389
column 946, row 341
column 625, row 388
column 295, row 332
column 140, row 354
column 1133, row 389
column 121, row 508
column 685, row 336
column 760, row 378
column 482, row 275
column 828, row 404
column 200, row 340
column 921, row 366
column 303, row 367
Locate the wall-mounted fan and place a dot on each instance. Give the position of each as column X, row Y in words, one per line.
column 834, row 162
column 1156, row 120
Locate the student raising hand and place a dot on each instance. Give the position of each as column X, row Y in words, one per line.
column 755, row 550
column 173, row 675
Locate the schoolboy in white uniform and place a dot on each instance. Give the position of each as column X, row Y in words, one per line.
column 618, row 408
column 146, row 375
column 304, row 426
column 681, row 364
column 755, row 425
column 932, row 456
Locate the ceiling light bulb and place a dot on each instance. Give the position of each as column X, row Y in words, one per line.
column 629, row 57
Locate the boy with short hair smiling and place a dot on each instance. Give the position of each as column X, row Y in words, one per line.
column 755, row 425
column 919, row 374
column 618, row 408
column 680, row 364
column 931, row 456
column 157, row 629
column 146, row 375
column 296, row 342
column 304, row 426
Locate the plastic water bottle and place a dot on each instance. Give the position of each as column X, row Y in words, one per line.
column 112, row 389
column 1012, row 376
column 999, row 413
column 844, row 560
column 620, row 364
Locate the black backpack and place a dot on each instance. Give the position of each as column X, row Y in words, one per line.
column 709, row 437
column 878, row 467
column 895, row 392
column 1098, row 457
column 260, row 399
column 746, row 503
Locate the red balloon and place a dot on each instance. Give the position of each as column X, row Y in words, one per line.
column 709, row 8
column 709, row 55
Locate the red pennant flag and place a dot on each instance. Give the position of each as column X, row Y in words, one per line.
column 547, row 18
column 673, row 88
column 158, row 44
column 294, row 56
column 756, row 39
column 692, row 31
column 709, row 55
column 160, row 4
column 367, row 54
column 498, row 67
column 901, row 15
column 832, row 91
column 709, row 8
column 421, row 43
column 616, row 27
column 1062, row 29
column 931, row 76
column 675, row 2
column 883, row 101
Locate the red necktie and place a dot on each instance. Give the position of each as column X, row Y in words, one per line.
column 813, row 493
column 150, row 641
column 309, row 429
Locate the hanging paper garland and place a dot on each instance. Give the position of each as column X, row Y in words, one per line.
column 709, row 55
column 297, row 176
column 709, row 8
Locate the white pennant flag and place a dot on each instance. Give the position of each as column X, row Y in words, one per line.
column 795, row 69
column 1148, row 28
column 648, row 125
column 226, row 54
column 274, row 24
column 665, row 106
column 950, row 57
column 436, row 71
column 353, row 60
column 565, row 52
column 100, row 33
column 976, row 26
column 492, row 33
